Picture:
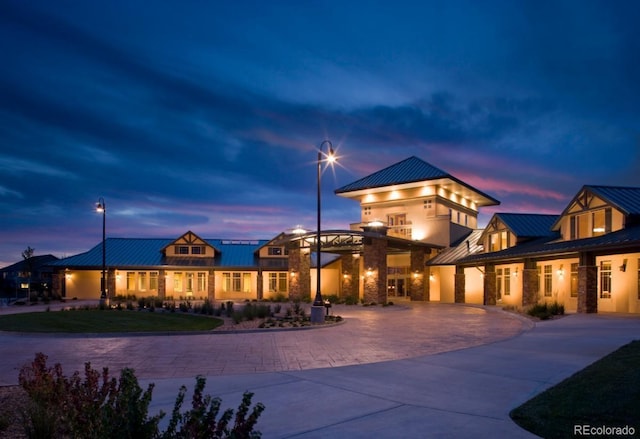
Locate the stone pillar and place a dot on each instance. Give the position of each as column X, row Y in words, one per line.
column 111, row 283
column 587, row 284
column 299, row 273
column 419, row 288
column 489, row 284
column 530, row 287
column 211, row 285
column 259, row 286
column 375, row 269
column 162, row 284
column 460, row 287
column 348, row 283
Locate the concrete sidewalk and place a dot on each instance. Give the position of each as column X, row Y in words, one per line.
column 411, row 371
column 466, row 393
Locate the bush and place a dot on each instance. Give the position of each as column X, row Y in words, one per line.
column 103, row 407
column 545, row 311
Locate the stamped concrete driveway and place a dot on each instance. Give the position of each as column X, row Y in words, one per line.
column 368, row 335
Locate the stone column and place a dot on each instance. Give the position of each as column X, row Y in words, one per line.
column 460, row 287
column 211, row 285
column 57, row 287
column 375, row 269
column 530, row 285
column 347, row 280
column 489, row 284
column 587, row 284
column 111, row 283
column 162, row 284
column 299, row 273
column 259, row 286
column 419, row 288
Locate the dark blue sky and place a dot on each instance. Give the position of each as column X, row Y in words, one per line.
column 205, row 115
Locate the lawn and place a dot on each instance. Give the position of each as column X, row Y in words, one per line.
column 107, row 321
column 604, row 395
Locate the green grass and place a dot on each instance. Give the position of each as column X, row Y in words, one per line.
column 106, row 321
column 606, row 393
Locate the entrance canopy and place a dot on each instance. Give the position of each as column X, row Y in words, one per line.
column 352, row 241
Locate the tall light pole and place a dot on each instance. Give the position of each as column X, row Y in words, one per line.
column 317, row 315
column 101, row 206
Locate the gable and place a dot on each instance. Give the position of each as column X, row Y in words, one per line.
column 189, row 245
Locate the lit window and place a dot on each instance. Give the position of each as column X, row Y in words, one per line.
column 548, row 280
column 499, row 284
column 177, row 281
column 574, row 280
column 605, row 279
column 202, row 282
column 131, row 281
column 142, row 281
column 507, row 281
column 275, row 251
column 153, row 281
column 189, row 283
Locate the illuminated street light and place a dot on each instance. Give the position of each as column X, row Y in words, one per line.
column 318, row 304
column 101, row 206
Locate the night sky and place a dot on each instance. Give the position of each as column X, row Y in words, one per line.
column 206, row 115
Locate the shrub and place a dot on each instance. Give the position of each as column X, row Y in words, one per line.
column 201, row 421
column 545, row 311
column 101, row 407
column 229, row 309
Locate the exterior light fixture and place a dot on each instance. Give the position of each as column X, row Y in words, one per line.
column 375, row 223
column 101, row 207
column 298, row 230
column 560, row 271
column 318, row 304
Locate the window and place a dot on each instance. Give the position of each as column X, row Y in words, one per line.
column 189, row 283
column 605, row 279
column 131, row 281
column 539, row 270
column 548, row 280
column 177, row 281
column 507, row 281
column 246, row 282
column 226, row 282
column 236, row 282
column 366, row 210
column 182, row 250
column 142, row 281
column 202, row 282
column 153, row 281
column 498, row 241
column 278, row 282
column 499, row 284
column 601, row 220
column 427, row 204
column 198, row 250
column 574, row 280
column 275, row 251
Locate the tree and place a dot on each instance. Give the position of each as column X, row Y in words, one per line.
column 28, row 255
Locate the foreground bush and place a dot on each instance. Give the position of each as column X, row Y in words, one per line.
column 102, row 407
column 544, row 311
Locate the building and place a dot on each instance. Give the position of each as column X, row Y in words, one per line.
column 29, row 275
column 417, row 238
column 587, row 258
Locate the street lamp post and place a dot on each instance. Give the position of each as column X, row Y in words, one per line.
column 317, row 310
column 102, row 207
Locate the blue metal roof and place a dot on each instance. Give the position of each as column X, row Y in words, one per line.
column 625, row 240
column 529, row 225
column 627, row 199
column 147, row 252
column 467, row 246
column 407, row 171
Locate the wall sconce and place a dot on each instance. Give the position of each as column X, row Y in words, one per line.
column 623, row 267
column 293, row 273
column 416, row 274
column 345, row 275
column 561, row 271
column 515, row 272
column 432, row 277
column 369, row 272
column 67, row 276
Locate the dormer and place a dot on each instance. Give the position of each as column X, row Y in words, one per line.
column 274, row 253
column 507, row 230
column 598, row 210
column 189, row 245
